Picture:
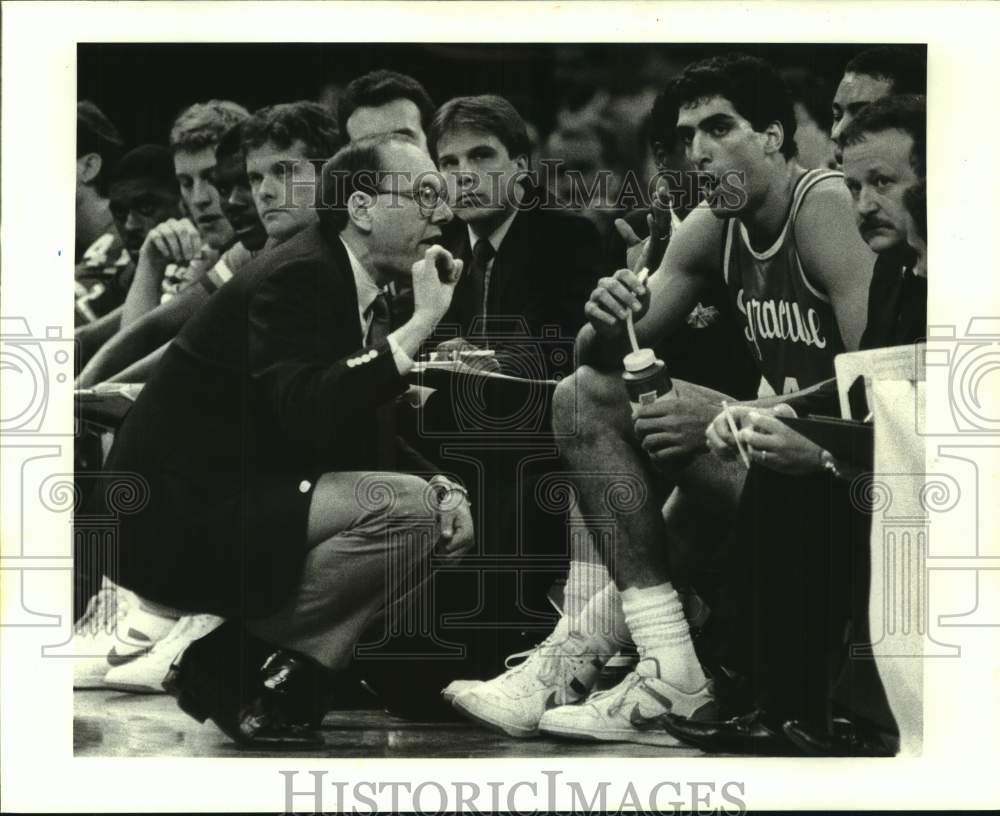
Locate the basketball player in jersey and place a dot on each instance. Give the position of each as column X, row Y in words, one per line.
column 786, row 243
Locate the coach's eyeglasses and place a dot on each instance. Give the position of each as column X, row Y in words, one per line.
column 428, row 197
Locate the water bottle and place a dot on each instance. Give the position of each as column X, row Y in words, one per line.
column 646, row 378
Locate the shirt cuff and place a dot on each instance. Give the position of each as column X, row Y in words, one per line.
column 403, row 361
column 222, row 270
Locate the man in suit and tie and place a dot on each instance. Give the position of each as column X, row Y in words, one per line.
column 257, row 439
column 528, row 266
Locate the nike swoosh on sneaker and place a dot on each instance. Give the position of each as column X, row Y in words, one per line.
column 666, row 702
column 642, row 723
column 117, row 660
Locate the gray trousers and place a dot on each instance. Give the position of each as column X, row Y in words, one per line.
column 371, row 536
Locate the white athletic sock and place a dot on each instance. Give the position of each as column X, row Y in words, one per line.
column 655, row 617
column 602, row 622
column 584, row 581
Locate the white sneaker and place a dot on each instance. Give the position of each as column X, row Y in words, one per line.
column 145, row 674
column 94, row 635
column 113, row 631
column 456, row 687
column 629, row 712
column 559, row 671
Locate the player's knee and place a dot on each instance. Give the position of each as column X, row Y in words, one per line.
column 585, row 400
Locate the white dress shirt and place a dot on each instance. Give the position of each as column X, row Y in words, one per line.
column 368, row 290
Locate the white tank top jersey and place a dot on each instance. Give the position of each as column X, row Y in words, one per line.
column 787, row 322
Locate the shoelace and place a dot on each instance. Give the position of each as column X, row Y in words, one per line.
column 105, row 609
column 519, row 658
column 557, row 666
column 622, row 691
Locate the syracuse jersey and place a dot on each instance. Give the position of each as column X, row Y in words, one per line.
column 787, row 322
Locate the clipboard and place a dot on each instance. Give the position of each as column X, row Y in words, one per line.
column 849, row 441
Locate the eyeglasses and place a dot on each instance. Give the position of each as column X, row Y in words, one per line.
column 427, row 197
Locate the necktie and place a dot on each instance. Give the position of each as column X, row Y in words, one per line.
column 482, row 253
column 385, row 415
column 380, row 313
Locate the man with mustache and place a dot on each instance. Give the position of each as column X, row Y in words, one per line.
column 785, row 242
column 797, row 519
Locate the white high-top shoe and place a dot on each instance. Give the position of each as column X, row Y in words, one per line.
column 112, row 632
column 145, row 674
column 559, row 671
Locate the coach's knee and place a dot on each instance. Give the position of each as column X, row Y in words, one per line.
column 391, row 494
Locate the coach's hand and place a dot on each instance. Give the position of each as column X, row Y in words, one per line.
column 454, row 517
column 434, row 279
column 612, row 301
column 674, row 427
column 770, row 442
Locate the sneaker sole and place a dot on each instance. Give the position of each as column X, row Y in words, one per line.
column 516, row 731
column 132, row 688
column 658, row 738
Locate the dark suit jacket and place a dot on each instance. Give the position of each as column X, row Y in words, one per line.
column 543, row 274
column 265, row 389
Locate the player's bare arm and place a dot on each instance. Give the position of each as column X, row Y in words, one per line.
column 659, row 306
column 837, row 261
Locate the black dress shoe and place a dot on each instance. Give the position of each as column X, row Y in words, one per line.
column 260, row 698
column 740, row 735
column 845, row 738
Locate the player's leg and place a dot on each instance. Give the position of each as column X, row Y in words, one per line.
column 615, row 481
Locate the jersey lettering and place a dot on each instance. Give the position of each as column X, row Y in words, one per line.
column 771, row 319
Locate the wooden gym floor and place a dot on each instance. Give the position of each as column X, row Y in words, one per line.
column 110, row 724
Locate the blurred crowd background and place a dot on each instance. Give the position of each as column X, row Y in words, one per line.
column 587, row 105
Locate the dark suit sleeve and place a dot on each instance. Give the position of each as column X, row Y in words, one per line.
column 304, row 374
column 573, row 253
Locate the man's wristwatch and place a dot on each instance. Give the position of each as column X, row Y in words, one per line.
column 444, row 487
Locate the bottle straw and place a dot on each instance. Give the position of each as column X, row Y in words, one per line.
column 629, row 322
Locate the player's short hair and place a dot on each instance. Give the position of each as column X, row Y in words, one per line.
column 95, row 133
column 905, row 68
column 486, row 113
column 356, row 167
column 753, row 87
column 377, row 88
column 915, row 200
column 231, row 142
column 907, row 113
column 661, row 124
column 283, row 125
column 202, row 125
column 149, row 161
